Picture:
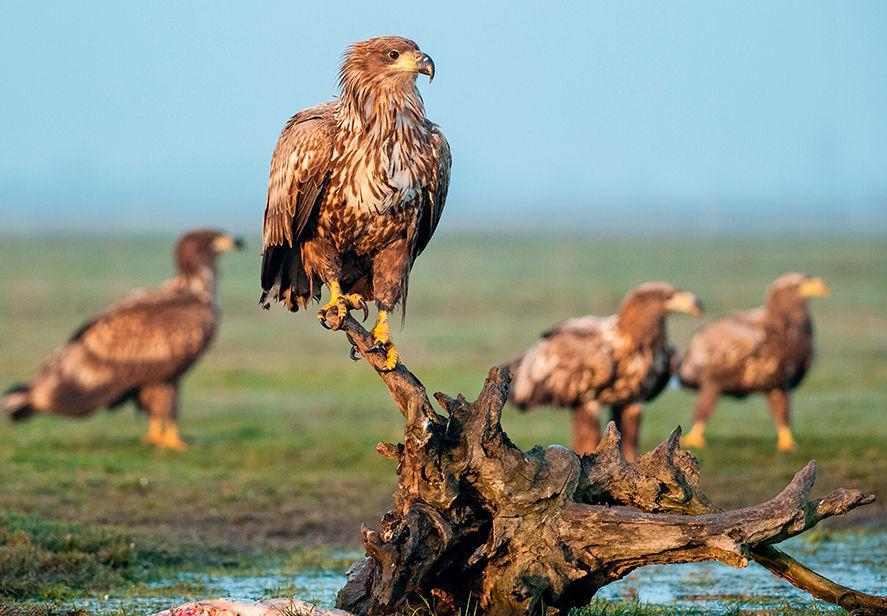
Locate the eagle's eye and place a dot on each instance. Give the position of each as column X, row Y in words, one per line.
column 393, row 55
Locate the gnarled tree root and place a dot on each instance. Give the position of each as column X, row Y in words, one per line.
column 478, row 521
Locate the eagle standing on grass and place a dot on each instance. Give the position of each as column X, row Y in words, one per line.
column 136, row 349
column 357, row 188
column 622, row 360
column 766, row 350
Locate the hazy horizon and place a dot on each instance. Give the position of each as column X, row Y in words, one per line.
column 697, row 117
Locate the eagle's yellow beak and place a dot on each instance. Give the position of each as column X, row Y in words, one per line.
column 814, row 287
column 416, row 62
column 684, row 301
column 227, row 243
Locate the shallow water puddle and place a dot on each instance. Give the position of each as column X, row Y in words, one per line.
column 858, row 560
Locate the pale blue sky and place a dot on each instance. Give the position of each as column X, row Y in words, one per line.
column 690, row 115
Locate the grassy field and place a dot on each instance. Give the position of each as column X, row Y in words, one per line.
column 282, row 467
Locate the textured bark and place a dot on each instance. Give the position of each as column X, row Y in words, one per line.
column 477, row 521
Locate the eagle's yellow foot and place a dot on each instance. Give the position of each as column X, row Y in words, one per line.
column 694, row 438
column 155, row 432
column 168, row 438
column 382, row 337
column 172, row 440
column 786, row 442
column 342, row 303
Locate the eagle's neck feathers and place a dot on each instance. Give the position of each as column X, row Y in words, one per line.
column 200, row 281
column 379, row 108
column 642, row 325
column 784, row 313
column 383, row 143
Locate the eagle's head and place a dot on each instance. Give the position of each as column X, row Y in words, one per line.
column 660, row 298
column 198, row 250
column 792, row 290
column 386, row 60
column 643, row 310
column 378, row 81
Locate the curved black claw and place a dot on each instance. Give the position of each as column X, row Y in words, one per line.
column 378, row 348
column 353, row 352
column 321, row 316
column 366, row 311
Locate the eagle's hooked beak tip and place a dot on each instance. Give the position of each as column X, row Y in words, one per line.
column 425, row 65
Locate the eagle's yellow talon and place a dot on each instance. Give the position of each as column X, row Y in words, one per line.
column 342, row 303
column 351, row 301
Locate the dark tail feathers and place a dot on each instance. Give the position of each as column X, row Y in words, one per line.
column 284, row 279
column 16, row 402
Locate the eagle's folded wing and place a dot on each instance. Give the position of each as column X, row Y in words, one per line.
column 154, row 336
column 300, row 168
column 435, row 192
column 567, row 366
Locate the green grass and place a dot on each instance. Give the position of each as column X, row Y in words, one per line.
column 283, row 426
column 44, row 561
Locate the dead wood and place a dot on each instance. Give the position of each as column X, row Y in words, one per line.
column 478, row 521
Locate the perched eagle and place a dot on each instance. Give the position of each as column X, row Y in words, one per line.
column 768, row 350
column 622, row 361
column 356, row 190
column 136, row 349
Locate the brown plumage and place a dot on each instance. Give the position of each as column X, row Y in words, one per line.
column 357, row 188
column 622, row 361
column 137, row 348
column 767, row 350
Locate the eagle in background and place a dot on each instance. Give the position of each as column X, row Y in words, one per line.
column 356, row 189
column 767, row 350
column 622, row 361
column 137, row 348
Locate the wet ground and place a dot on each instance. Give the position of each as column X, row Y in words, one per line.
column 855, row 559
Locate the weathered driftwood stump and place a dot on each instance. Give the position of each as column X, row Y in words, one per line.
column 477, row 521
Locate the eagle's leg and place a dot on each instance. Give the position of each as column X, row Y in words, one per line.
column 382, row 335
column 391, row 267
column 628, row 422
column 342, row 303
column 706, row 401
column 161, row 402
column 586, row 423
column 155, row 431
column 780, row 408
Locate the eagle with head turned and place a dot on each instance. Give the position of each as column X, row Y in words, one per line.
column 767, row 350
column 138, row 348
column 622, row 361
column 356, row 189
